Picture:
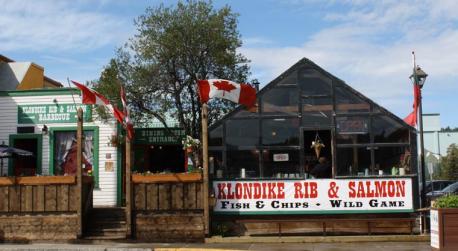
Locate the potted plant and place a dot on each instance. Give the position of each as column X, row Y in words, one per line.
column 444, row 223
column 190, row 144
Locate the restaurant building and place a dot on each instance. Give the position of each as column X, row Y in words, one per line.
column 262, row 160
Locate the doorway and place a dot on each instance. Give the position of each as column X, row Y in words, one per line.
column 310, row 156
column 26, row 166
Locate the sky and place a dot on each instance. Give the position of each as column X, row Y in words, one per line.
column 366, row 43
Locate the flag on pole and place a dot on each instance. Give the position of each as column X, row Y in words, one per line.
column 127, row 122
column 92, row 97
column 412, row 118
column 243, row 94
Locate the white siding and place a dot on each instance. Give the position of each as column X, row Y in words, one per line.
column 106, row 194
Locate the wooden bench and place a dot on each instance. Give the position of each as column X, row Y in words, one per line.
column 369, row 221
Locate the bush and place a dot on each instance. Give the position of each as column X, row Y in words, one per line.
column 448, row 201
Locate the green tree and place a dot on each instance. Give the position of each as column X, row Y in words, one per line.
column 174, row 47
column 449, row 164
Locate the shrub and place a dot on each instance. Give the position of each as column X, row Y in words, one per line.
column 448, row 201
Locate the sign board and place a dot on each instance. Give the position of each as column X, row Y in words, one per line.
column 434, row 228
column 281, row 157
column 159, row 136
column 352, row 125
column 313, row 196
column 51, row 113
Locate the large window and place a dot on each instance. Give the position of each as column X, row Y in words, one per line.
column 352, row 161
column 387, row 130
column 63, row 152
column 313, row 82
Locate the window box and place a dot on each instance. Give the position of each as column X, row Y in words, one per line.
column 167, row 177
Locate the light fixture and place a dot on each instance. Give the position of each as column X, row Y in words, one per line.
column 44, row 130
column 418, row 77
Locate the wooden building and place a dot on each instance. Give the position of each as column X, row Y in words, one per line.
column 263, row 161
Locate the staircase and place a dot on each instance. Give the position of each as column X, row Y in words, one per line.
column 106, row 223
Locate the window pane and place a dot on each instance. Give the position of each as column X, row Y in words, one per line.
column 280, row 101
column 250, row 113
column 317, row 112
column 388, row 157
column 352, row 130
column 353, row 161
column 247, row 160
column 281, row 164
column 280, row 132
column 312, row 82
column 65, row 152
column 346, row 101
column 215, row 164
column 387, row 130
column 243, row 132
column 215, row 137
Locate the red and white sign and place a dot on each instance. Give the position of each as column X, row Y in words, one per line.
column 281, row 157
column 313, row 196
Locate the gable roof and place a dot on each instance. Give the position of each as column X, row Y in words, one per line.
column 306, row 62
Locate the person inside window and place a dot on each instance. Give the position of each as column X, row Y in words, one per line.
column 322, row 169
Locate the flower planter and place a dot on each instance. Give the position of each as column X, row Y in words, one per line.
column 167, row 177
column 444, row 229
column 37, row 180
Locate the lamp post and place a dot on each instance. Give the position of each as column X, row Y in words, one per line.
column 418, row 78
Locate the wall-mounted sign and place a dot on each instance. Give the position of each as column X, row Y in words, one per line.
column 281, row 157
column 51, row 113
column 434, row 217
column 159, row 136
column 313, row 196
column 352, row 125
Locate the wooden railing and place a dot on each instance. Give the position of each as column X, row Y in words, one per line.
column 167, row 192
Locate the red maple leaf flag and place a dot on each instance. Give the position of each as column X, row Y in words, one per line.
column 91, row 97
column 127, row 122
column 243, row 94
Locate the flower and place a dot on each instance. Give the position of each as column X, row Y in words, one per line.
column 190, row 142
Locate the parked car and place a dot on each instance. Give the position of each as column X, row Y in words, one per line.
column 450, row 189
column 437, row 185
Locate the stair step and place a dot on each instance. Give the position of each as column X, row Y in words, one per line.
column 107, row 238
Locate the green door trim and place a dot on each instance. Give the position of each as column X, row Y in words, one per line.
column 39, row 139
column 95, row 129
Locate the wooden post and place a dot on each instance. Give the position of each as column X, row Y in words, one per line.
column 79, row 167
column 128, row 189
column 205, row 168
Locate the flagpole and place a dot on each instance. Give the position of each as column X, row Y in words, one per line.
column 79, row 166
column 205, row 168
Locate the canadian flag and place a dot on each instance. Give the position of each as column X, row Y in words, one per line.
column 127, row 122
column 220, row 88
column 91, row 97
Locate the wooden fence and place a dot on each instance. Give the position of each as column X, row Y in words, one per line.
column 42, row 201
column 168, row 207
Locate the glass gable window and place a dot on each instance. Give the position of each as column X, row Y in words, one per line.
column 312, row 82
column 387, row 130
column 280, row 132
column 215, row 137
column 347, row 102
column 280, row 101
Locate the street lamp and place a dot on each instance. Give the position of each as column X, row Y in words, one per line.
column 418, row 78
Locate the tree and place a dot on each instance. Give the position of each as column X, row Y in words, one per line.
column 174, row 47
column 449, row 164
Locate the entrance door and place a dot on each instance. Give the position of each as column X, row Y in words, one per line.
column 310, row 156
column 26, row 166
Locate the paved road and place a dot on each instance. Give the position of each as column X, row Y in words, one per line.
column 361, row 246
